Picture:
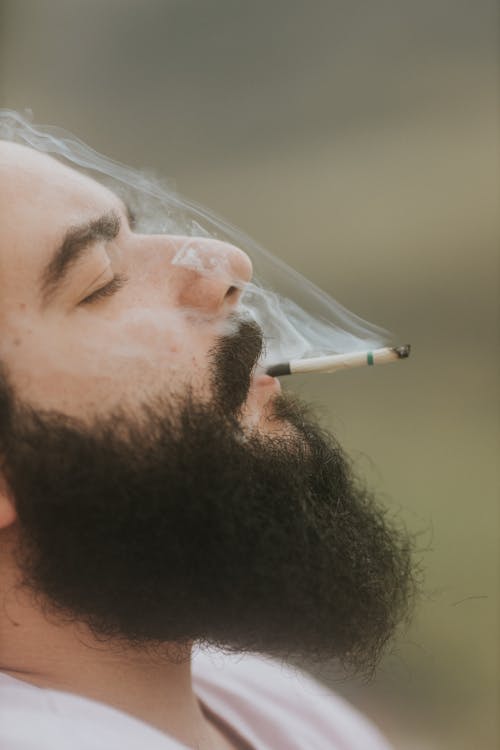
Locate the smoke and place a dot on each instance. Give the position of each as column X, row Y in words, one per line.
column 297, row 318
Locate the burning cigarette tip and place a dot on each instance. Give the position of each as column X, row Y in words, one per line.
column 402, row 351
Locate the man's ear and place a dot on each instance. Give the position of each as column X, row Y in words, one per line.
column 7, row 509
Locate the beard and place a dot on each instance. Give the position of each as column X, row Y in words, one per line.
column 174, row 525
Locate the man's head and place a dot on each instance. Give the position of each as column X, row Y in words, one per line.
column 93, row 309
column 153, row 488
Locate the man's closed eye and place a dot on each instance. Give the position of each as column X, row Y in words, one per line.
column 106, row 291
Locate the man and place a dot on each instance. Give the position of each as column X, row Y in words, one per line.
column 157, row 496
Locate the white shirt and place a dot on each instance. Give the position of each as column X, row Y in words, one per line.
column 270, row 705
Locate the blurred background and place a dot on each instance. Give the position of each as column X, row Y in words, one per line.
column 357, row 141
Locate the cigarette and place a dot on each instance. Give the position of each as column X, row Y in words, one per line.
column 340, row 361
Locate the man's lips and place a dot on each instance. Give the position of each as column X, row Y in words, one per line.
column 266, row 381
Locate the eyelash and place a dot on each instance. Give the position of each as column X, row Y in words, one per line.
column 106, row 291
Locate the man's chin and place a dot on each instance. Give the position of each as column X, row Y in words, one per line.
column 270, row 415
column 263, row 390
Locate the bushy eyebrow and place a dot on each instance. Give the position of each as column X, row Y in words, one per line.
column 77, row 241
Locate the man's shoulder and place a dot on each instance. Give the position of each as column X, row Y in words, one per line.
column 268, row 688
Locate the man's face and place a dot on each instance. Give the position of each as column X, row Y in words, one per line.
column 163, row 496
column 150, row 334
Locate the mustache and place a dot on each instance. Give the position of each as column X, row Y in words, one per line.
column 233, row 360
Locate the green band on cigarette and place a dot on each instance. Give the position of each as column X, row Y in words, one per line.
column 369, row 358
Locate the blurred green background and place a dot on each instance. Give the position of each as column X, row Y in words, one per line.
column 358, row 141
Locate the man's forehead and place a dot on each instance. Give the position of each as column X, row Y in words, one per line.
column 40, row 198
column 20, row 159
column 27, row 174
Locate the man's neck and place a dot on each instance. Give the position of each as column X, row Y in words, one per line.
column 50, row 654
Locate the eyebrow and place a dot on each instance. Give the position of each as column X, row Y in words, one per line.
column 76, row 243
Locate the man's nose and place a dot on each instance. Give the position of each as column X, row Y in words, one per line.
column 209, row 275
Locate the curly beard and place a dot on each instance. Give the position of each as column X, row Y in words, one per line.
column 173, row 525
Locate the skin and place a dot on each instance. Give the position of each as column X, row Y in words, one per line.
column 264, row 543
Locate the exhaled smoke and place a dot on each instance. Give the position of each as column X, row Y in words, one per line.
column 297, row 318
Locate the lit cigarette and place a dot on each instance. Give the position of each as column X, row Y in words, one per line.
column 340, row 361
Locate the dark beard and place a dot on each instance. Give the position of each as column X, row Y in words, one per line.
column 173, row 526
